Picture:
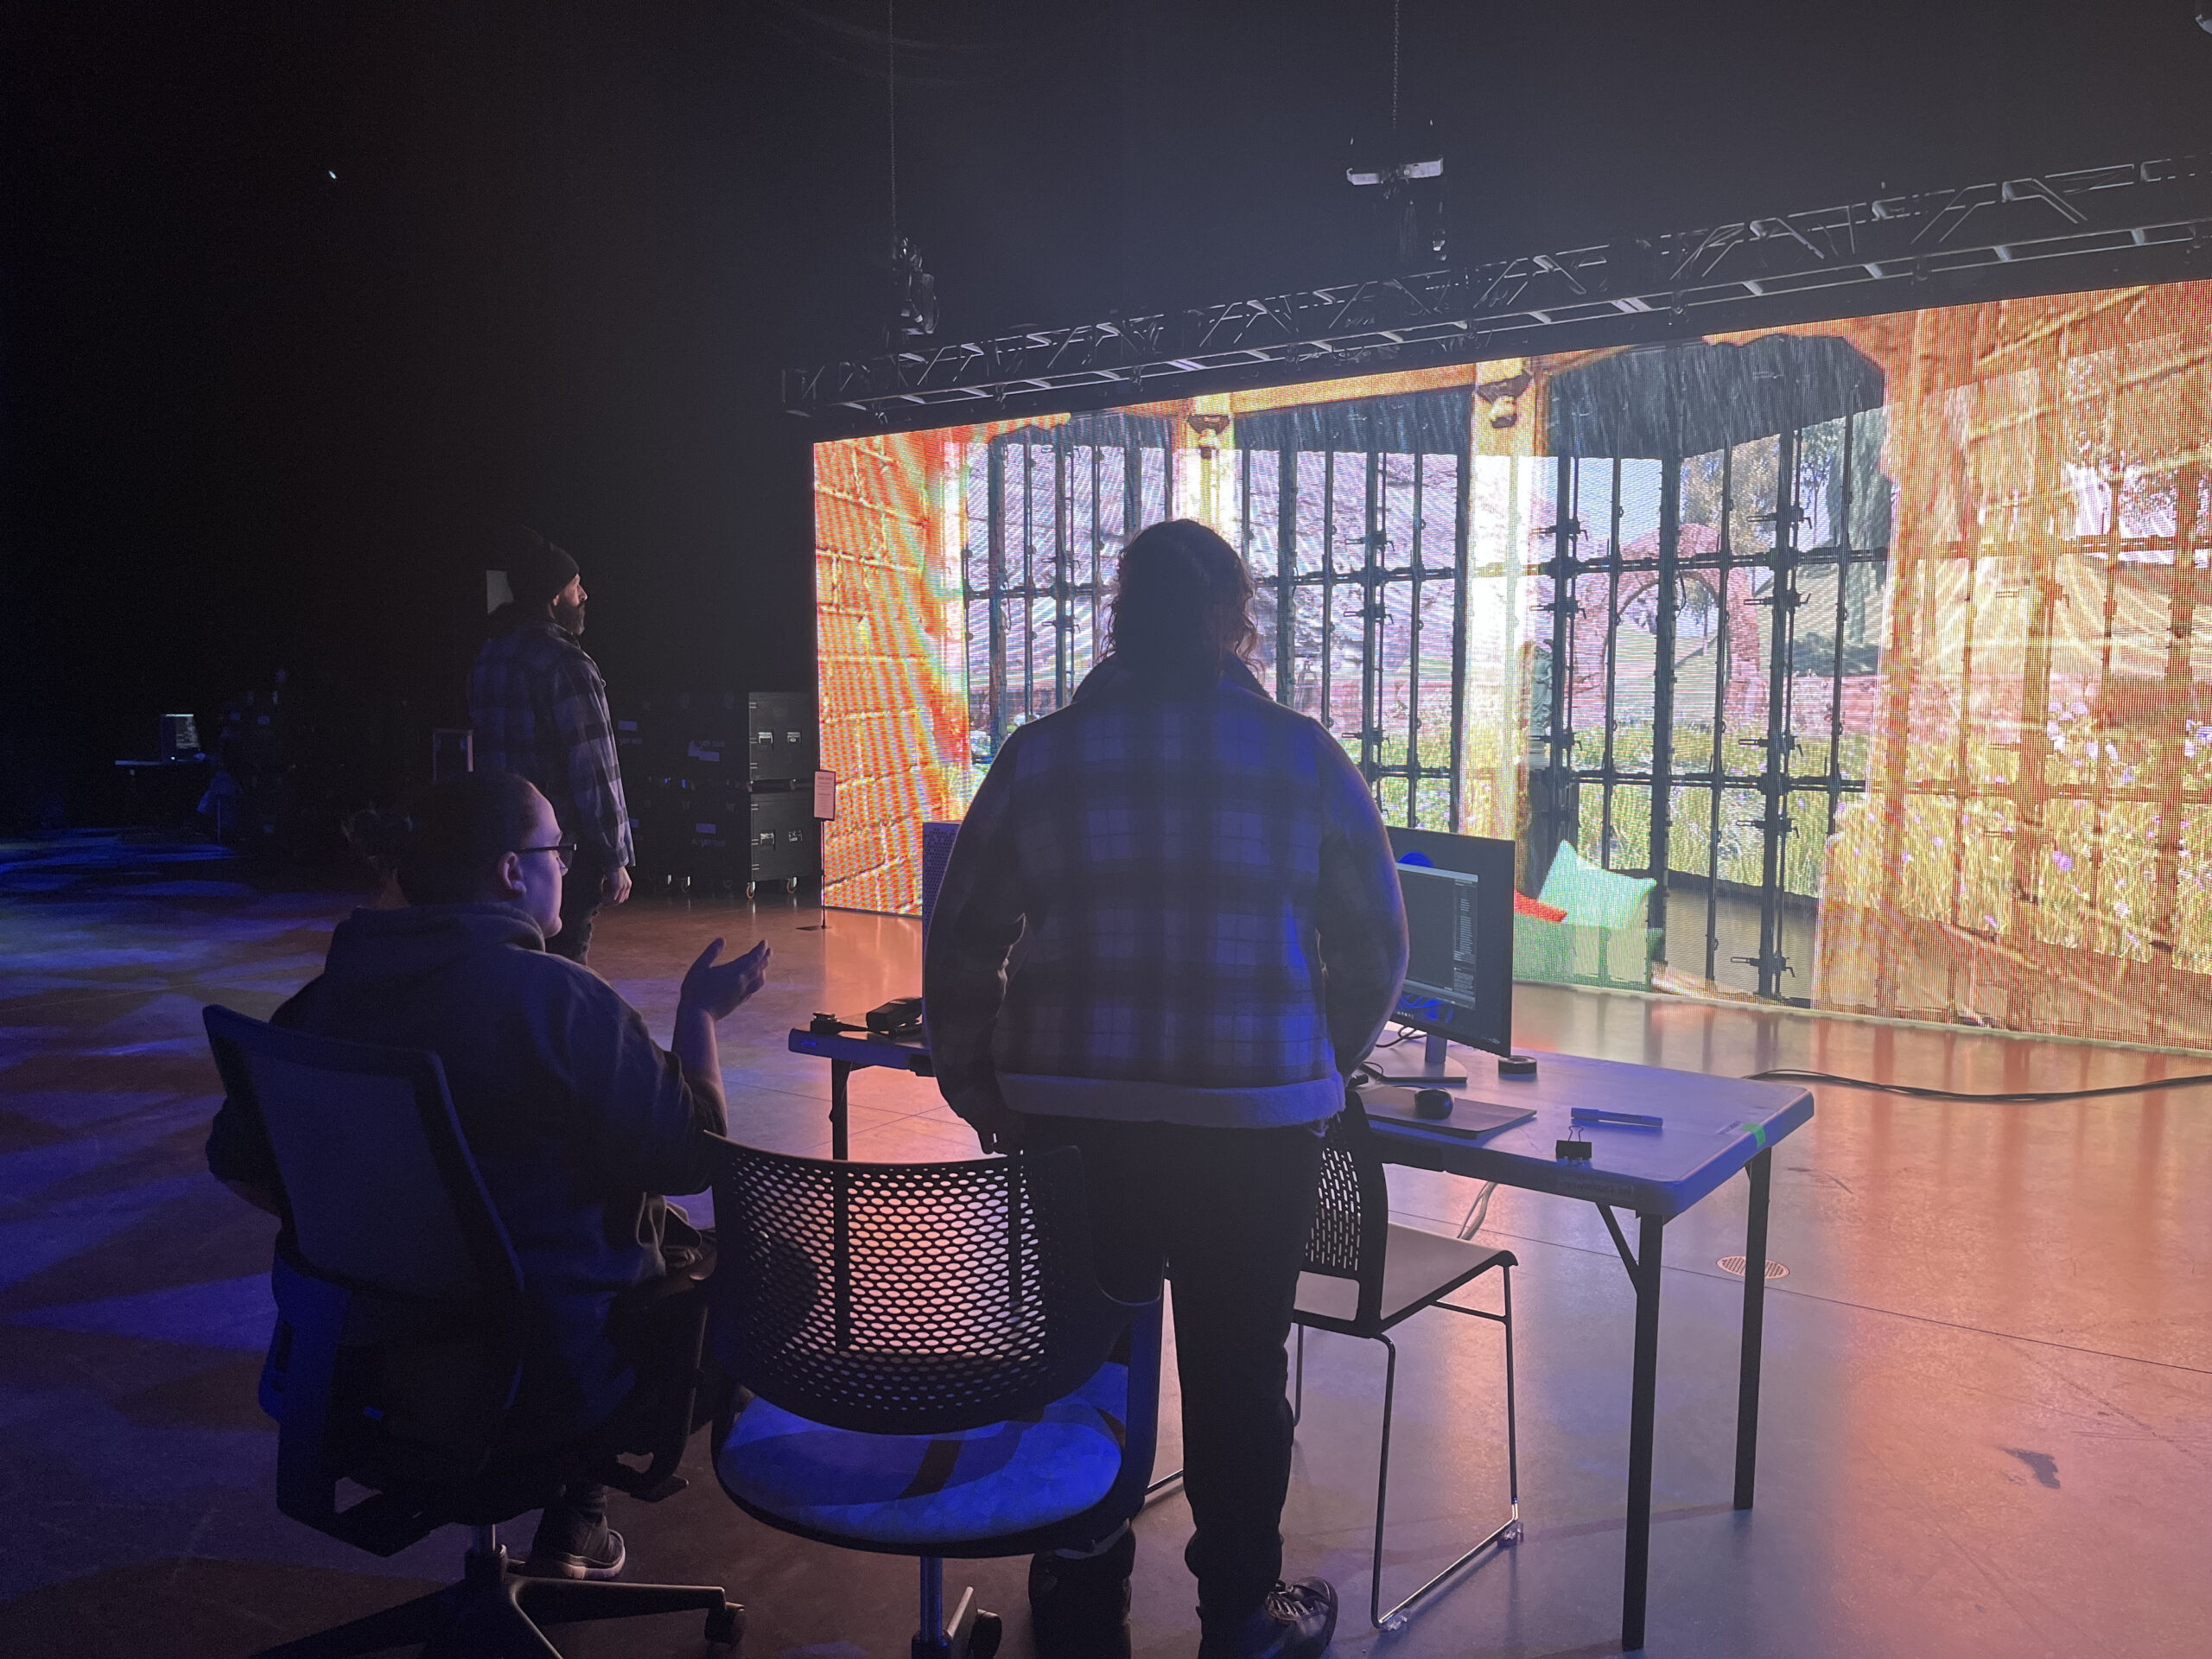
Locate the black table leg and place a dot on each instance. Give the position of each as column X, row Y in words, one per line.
column 841, row 1221
column 1761, row 1170
column 1643, row 1401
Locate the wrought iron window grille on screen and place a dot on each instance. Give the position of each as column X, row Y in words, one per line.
column 1704, row 602
column 1692, row 776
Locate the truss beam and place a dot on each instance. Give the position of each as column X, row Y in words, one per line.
column 1871, row 256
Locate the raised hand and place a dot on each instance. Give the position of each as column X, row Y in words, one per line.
column 717, row 988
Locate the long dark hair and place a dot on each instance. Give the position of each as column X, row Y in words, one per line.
column 1182, row 606
column 445, row 844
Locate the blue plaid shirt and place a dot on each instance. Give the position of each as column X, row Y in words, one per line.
column 1209, row 923
column 539, row 708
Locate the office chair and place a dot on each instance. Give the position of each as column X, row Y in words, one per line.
column 934, row 1365
column 1364, row 1275
column 398, row 1346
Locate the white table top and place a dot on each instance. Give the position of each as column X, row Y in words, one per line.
column 1714, row 1125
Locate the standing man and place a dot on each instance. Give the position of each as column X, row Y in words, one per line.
column 1211, row 937
column 539, row 708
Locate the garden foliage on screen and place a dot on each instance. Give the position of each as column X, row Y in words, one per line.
column 1880, row 649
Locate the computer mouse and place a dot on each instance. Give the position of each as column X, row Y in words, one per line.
column 1432, row 1102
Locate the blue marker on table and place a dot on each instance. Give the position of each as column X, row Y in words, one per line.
column 1622, row 1120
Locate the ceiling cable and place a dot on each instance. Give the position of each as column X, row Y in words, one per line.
column 1394, row 64
column 891, row 78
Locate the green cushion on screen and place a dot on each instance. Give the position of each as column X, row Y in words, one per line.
column 1591, row 895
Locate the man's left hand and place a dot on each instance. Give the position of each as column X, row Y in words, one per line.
column 614, row 888
column 718, row 988
column 997, row 1126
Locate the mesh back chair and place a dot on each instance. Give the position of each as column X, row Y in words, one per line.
column 1365, row 1275
column 936, row 1371
column 398, row 1347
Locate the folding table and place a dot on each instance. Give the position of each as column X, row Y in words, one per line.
column 1714, row 1128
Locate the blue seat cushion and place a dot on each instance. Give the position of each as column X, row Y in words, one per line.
column 915, row 1491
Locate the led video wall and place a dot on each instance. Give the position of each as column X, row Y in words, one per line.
column 1865, row 666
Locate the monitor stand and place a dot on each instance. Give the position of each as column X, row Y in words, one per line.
column 1435, row 1072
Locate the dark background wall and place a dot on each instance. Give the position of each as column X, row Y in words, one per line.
column 253, row 415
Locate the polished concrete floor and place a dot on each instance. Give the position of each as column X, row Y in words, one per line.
column 1987, row 1423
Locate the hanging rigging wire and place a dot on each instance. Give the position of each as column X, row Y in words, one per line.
column 913, row 290
column 1394, row 64
column 890, row 81
column 1391, row 163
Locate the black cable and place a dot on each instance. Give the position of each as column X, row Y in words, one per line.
column 2026, row 1097
column 891, row 81
column 1394, row 69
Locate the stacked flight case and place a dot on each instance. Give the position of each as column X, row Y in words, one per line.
column 722, row 789
column 783, row 842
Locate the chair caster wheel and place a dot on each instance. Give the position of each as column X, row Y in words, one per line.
column 983, row 1639
column 726, row 1625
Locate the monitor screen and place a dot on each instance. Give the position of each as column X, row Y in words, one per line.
column 1459, row 895
column 180, row 737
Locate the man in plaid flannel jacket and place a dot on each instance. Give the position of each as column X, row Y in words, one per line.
column 539, row 709
column 1209, row 938
column 1208, row 910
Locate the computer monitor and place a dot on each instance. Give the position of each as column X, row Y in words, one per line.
column 180, row 737
column 1459, row 895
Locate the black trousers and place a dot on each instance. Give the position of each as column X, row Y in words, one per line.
column 1226, row 1213
column 580, row 901
column 650, row 1324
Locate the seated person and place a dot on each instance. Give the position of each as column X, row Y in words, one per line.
column 577, row 1119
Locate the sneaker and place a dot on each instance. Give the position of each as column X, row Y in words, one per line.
column 1079, row 1607
column 602, row 1557
column 1294, row 1622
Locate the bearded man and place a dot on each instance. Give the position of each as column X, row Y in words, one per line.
column 539, row 708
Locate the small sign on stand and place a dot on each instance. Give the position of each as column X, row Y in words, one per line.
column 825, row 810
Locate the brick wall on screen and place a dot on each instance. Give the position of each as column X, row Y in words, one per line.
column 893, row 720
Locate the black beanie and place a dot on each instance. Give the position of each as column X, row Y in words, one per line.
column 536, row 569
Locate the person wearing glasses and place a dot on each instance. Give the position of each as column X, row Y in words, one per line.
column 577, row 1118
column 538, row 707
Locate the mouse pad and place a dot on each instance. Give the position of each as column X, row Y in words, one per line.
column 1470, row 1118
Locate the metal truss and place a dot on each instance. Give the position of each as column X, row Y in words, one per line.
column 1858, row 258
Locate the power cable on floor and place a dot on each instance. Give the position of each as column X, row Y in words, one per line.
column 2022, row 1097
column 1478, row 1212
